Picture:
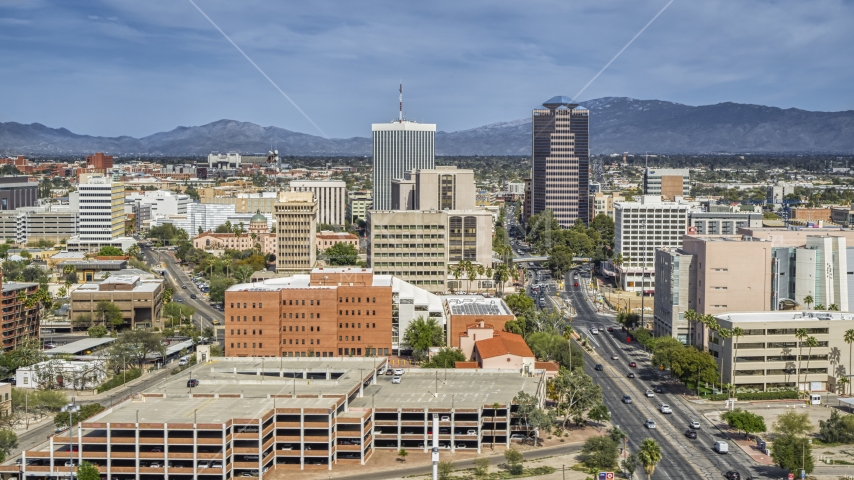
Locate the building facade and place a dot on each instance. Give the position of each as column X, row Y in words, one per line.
column 332, row 312
column 561, row 160
column 420, row 246
column 139, row 300
column 667, row 182
column 817, row 270
column 640, row 228
column 723, row 223
column 326, row 239
column 331, row 198
column 296, row 227
column 99, row 162
column 162, row 202
column 100, row 205
column 20, row 322
column 399, row 147
column 710, row 275
column 358, row 204
column 258, row 236
column 17, row 192
column 769, row 357
column 227, row 161
column 603, row 204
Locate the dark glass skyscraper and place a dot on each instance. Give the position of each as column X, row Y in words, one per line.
column 560, row 177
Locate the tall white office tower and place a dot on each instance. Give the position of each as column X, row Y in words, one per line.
column 400, row 146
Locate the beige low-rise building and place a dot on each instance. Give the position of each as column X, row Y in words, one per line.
column 5, row 400
column 140, row 300
column 258, row 237
column 768, row 355
column 328, row 238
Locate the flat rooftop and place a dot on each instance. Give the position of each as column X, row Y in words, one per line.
column 477, row 306
column 244, row 388
column 795, row 316
column 79, row 346
column 13, row 286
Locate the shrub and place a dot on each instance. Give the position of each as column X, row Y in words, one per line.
column 119, row 379
column 86, row 411
column 785, row 395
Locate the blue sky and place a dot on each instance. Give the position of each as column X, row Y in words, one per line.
column 129, row 67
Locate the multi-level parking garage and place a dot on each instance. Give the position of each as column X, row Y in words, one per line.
column 248, row 416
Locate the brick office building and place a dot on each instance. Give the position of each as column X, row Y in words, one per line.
column 332, row 312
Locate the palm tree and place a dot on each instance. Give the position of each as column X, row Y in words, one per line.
column 819, row 306
column 649, row 454
column 737, row 332
column 810, row 342
column 457, row 271
column 849, row 339
column 833, row 307
column 844, row 381
column 725, row 334
column 800, row 334
column 488, row 273
column 691, row 317
column 808, row 300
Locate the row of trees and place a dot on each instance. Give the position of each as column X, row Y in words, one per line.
column 546, row 236
column 601, row 453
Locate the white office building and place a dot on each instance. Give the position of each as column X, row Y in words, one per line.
column 162, row 202
column 818, row 270
column 227, row 161
column 101, row 206
column 640, row 229
column 331, row 197
column 208, row 216
column 399, row 146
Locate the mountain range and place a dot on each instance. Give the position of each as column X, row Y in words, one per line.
column 617, row 124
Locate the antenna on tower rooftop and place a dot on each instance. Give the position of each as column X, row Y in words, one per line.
column 400, row 113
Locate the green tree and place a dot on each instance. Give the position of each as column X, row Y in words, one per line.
column 421, row 334
column 792, row 423
column 402, row 453
column 514, row 460
column 139, row 344
column 808, row 300
column 849, row 339
column 800, row 334
column 109, row 251
column 630, row 465
column 8, row 443
column 837, row 429
column 87, row 471
column 218, row 287
column 108, row 313
column 600, row 453
column 446, row 358
column 599, row 414
column 341, row 254
column 574, row 392
column 649, row 454
column 744, row 421
column 560, row 260
column 224, row 228
column 97, row 331
column 551, row 346
column 534, row 417
column 792, row 453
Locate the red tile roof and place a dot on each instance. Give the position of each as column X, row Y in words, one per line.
column 466, row 365
column 504, row 343
column 551, row 366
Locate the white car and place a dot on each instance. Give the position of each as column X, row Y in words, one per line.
column 649, row 394
column 664, row 408
column 398, row 371
column 395, row 379
column 650, row 424
column 594, row 331
column 695, row 425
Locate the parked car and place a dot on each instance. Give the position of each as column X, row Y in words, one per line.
column 399, row 371
column 192, row 383
column 389, row 372
column 395, row 379
column 445, row 418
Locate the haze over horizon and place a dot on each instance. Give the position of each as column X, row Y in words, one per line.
column 140, row 68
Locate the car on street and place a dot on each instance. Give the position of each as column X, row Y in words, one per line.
column 192, row 383
column 650, row 424
column 627, row 399
column 691, row 433
column 630, row 375
column 665, row 408
column 649, row 393
column 614, row 357
column 695, row 425
column 183, row 287
column 610, row 329
column 395, row 379
column 179, row 300
column 576, row 284
column 193, row 296
column 732, row 475
column 633, row 364
column 659, row 389
column 599, row 367
column 721, row 447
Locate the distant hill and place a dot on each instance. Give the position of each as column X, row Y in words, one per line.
column 617, row 124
